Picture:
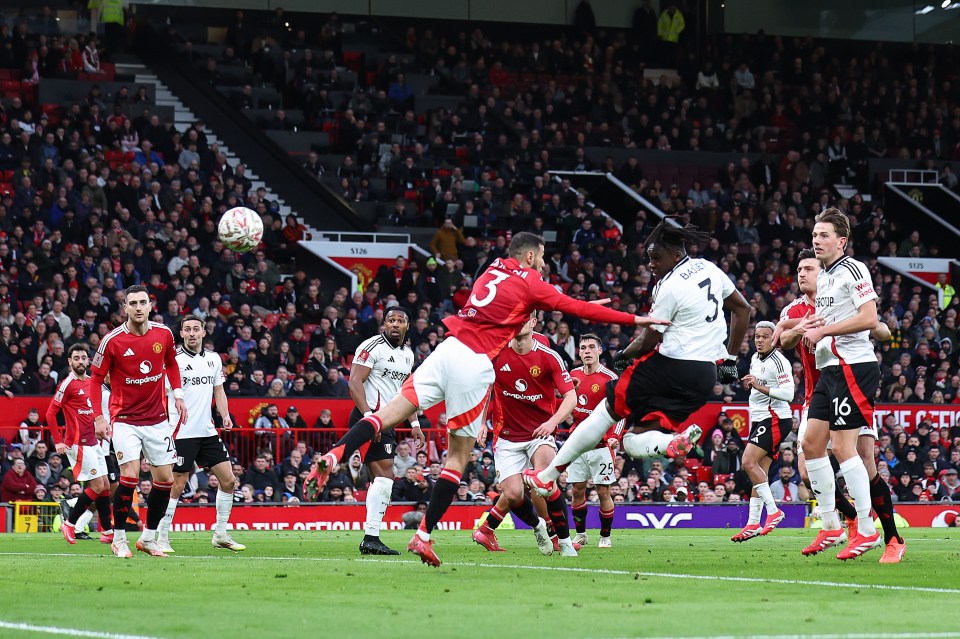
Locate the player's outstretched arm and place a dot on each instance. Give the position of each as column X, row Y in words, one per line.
column 864, row 320
column 547, row 428
column 739, row 311
column 550, row 299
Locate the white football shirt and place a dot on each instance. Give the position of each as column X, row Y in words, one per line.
column 691, row 297
column 199, row 373
column 772, row 371
column 389, row 366
column 841, row 290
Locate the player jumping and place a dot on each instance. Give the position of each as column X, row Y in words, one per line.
column 460, row 371
column 136, row 357
column 677, row 365
column 196, row 438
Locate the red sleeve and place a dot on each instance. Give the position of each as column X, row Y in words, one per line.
column 52, row 411
column 561, row 378
column 102, row 362
column 548, row 299
column 170, row 362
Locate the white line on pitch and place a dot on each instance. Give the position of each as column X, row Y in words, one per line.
column 870, row 635
column 574, row 569
column 70, row 632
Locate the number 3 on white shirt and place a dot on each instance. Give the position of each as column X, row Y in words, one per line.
column 498, row 276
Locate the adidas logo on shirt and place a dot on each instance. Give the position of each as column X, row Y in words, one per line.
column 188, row 368
column 505, row 368
column 128, row 353
column 81, row 392
column 391, row 359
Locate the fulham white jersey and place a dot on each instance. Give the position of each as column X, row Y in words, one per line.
column 841, row 290
column 389, row 366
column 691, row 297
column 199, row 374
column 105, row 411
column 772, row 371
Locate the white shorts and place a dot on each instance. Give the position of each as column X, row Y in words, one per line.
column 88, row 462
column 512, row 458
column 596, row 465
column 458, row 376
column 869, row 431
column 155, row 442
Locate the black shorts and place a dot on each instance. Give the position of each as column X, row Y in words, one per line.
column 845, row 395
column 386, row 448
column 768, row 433
column 205, row 452
column 661, row 387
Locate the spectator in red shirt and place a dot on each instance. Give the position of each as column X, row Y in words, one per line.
column 18, row 484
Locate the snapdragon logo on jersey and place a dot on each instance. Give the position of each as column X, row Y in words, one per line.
column 145, row 368
column 521, row 386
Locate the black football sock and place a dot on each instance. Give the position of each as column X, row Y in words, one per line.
column 103, row 510
column 157, row 502
column 843, row 504
column 443, row 493
column 358, row 435
column 525, row 512
column 557, row 507
column 883, row 504
column 580, row 517
column 494, row 517
column 123, row 500
column 84, row 500
column 606, row 522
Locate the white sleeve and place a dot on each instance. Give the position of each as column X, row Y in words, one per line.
column 366, row 355
column 785, row 387
column 727, row 288
column 860, row 288
column 664, row 307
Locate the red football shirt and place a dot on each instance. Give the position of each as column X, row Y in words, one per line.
column 525, row 391
column 592, row 391
column 136, row 366
column 73, row 397
column 502, row 300
column 798, row 309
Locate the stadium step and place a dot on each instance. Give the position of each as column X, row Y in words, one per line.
column 184, row 117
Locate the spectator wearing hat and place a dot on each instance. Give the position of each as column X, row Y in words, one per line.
column 294, row 419
column 486, row 471
column 18, row 484
column 949, row 485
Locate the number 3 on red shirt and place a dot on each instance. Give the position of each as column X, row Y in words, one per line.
column 498, row 276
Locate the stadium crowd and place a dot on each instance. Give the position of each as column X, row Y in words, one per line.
column 77, row 226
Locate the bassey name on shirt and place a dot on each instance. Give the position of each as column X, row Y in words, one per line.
column 696, row 268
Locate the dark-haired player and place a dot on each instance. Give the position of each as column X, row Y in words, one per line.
column 771, row 386
column 380, row 366
column 677, row 360
column 596, row 464
column 525, row 416
column 137, row 357
column 460, row 371
column 81, row 443
column 196, row 439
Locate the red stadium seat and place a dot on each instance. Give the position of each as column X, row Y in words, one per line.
column 271, row 320
column 6, row 188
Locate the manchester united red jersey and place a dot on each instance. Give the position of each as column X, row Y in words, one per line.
column 525, row 391
column 798, row 309
column 136, row 365
column 502, row 300
column 592, row 391
column 73, row 397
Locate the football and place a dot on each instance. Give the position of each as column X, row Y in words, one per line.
column 240, row 229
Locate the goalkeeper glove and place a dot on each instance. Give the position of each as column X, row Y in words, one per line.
column 727, row 372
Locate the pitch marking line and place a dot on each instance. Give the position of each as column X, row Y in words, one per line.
column 871, row 635
column 69, row 632
column 574, row 569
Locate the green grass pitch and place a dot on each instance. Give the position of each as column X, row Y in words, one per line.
column 677, row 583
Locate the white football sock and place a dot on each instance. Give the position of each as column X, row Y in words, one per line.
column 167, row 520
column 652, row 443
column 823, row 483
column 224, row 506
column 763, row 491
column 378, row 498
column 119, row 534
column 584, row 438
column 756, row 505
column 858, row 485
column 84, row 520
column 148, row 535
